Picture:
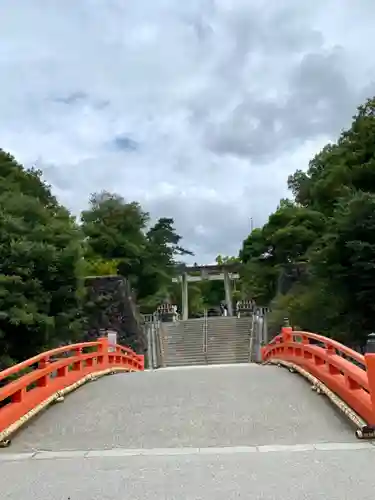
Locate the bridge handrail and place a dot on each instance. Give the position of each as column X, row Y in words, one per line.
column 343, row 349
column 125, row 349
column 353, row 379
column 12, row 370
column 49, row 375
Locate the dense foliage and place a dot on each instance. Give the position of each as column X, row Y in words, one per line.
column 314, row 259
column 45, row 254
column 119, row 237
column 40, row 265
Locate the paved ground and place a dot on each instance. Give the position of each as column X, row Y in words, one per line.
column 199, row 433
column 239, row 405
column 334, row 474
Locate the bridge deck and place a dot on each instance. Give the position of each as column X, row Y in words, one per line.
column 208, row 432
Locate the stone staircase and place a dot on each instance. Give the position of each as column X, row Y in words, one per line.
column 227, row 341
column 183, row 343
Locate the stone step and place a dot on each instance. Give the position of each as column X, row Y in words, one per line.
column 203, row 363
column 231, row 359
column 209, row 334
column 209, row 348
column 227, row 354
column 185, row 336
column 209, row 358
column 237, row 348
column 182, row 361
column 175, row 338
column 227, row 362
column 226, row 336
column 213, row 345
column 228, row 342
column 185, row 343
column 181, row 349
column 224, row 331
column 187, row 351
column 185, row 355
column 188, row 342
column 187, row 363
column 187, row 358
column 214, row 350
column 192, row 345
column 191, row 340
column 239, row 340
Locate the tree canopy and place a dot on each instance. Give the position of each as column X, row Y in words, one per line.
column 314, row 259
column 45, row 254
column 119, row 233
column 40, row 264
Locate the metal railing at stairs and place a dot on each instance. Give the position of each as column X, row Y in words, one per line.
column 156, row 341
column 251, row 338
column 160, row 334
column 258, row 334
column 205, row 334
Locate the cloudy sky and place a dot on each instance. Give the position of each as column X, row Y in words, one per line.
column 198, row 109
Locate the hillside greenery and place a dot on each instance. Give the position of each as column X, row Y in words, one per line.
column 45, row 254
column 314, row 259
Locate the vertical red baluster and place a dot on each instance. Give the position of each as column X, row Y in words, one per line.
column 370, row 365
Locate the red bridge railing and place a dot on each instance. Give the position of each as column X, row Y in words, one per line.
column 30, row 386
column 348, row 374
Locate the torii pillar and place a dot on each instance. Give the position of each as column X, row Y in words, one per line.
column 228, row 293
column 185, row 296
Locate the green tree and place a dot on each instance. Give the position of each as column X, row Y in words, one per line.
column 40, row 265
column 328, row 233
column 223, row 260
column 97, row 266
column 158, row 265
column 290, row 232
column 114, row 229
column 118, row 232
column 345, row 260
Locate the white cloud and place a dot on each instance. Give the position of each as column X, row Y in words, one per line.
column 199, row 110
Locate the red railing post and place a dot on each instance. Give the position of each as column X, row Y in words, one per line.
column 287, row 333
column 370, row 368
column 77, row 365
column 141, row 360
column 103, row 352
column 43, row 363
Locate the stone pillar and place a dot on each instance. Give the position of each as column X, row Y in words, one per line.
column 228, row 293
column 155, row 360
column 265, row 327
column 185, row 296
column 150, row 341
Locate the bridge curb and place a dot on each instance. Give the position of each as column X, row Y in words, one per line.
column 57, row 397
column 363, row 431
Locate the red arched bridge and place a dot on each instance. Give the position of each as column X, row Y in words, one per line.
column 209, row 432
